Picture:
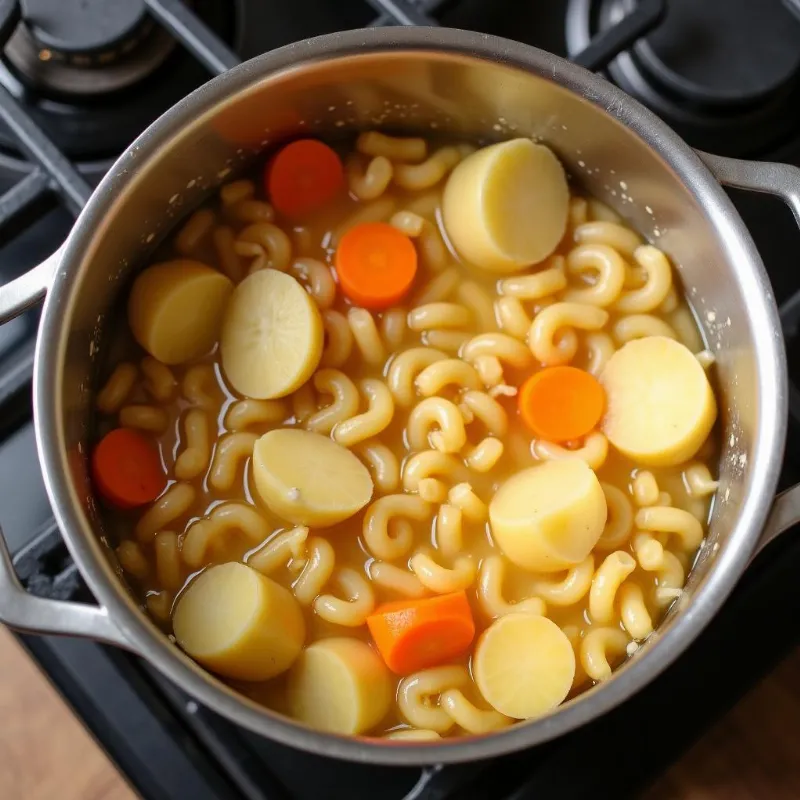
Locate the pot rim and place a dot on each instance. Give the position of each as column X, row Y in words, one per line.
column 150, row 642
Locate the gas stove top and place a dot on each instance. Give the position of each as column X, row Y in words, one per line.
column 79, row 79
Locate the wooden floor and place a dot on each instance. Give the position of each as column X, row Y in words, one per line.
column 752, row 754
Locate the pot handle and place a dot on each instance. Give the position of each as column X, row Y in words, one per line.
column 785, row 514
column 28, row 289
column 758, row 176
column 782, row 180
column 21, row 610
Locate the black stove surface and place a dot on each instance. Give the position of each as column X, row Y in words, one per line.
column 164, row 742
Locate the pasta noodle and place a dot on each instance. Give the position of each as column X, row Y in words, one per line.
column 490, row 592
column 132, row 559
column 170, row 507
column 344, row 404
column 429, row 463
column 466, row 715
column 117, row 388
column 619, row 524
column 439, row 289
column 538, row 285
column 594, row 450
column 168, row 560
column 383, row 464
column 513, row 317
column 393, row 327
column 645, row 488
column 244, row 414
column 224, row 240
column 223, row 519
column 451, row 435
column 438, row 315
column 353, row 611
column 405, row 368
column 196, row 228
column 598, row 648
column 316, row 571
column 158, row 379
column 373, row 421
column 552, row 336
column 373, row 143
column 664, row 519
column 443, row 580
column 144, row 418
column 271, row 247
column 611, row 234
column 195, row 457
column 231, row 450
column 387, row 531
column 415, row 177
column 338, row 339
column 366, row 336
column 659, row 281
column 485, row 455
column 195, row 385
column 369, row 183
column 698, row 480
column 605, row 584
column 464, row 498
column 452, row 371
column 600, row 347
column 571, row 589
column 396, row 580
column 318, row 280
column 610, row 269
column 449, row 341
column 637, row 326
column 416, row 692
column 633, row 611
column 485, row 409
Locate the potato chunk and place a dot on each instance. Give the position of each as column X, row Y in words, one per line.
column 549, row 517
column 339, row 685
column 175, row 309
column 660, row 405
column 308, row 479
column 505, row 206
column 524, row 665
column 239, row 623
column 272, row 336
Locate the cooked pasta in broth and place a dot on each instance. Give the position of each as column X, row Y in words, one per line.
column 410, row 440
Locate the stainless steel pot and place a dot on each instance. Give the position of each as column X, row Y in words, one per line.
column 418, row 79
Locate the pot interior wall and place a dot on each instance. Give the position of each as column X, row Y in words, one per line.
column 173, row 168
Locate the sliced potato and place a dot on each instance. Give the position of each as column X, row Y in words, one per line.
column 660, row 406
column 239, row 623
column 549, row 517
column 505, row 206
column 524, row 665
column 339, row 685
column 175, row 309
column 308, row 479
column 272, row 336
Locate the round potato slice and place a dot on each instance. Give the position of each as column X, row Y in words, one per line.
column 272, row 336
column 505, row 207
column 659, row 404
column 524, row 665
column 308, row 479
column 238, row 623
column 339, row 685
column 175, row 309
column 549, row 517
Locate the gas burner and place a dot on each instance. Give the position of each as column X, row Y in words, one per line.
column 86, row 47
column 724, row 73
column 94, row 73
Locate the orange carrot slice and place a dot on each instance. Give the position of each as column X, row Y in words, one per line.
column 376, row 265
column 303, row 177
column 126, row 469
column 561, row 403
column 413, row 635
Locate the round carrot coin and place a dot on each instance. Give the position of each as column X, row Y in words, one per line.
column 303, row 176
column 560, row 404
column 376, row 265
column 126, row 469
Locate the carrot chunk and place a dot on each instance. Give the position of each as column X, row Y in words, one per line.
column 126, row 469
column 561, row 403
column 302, row 177
column 376, row 265
column 414, row 635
